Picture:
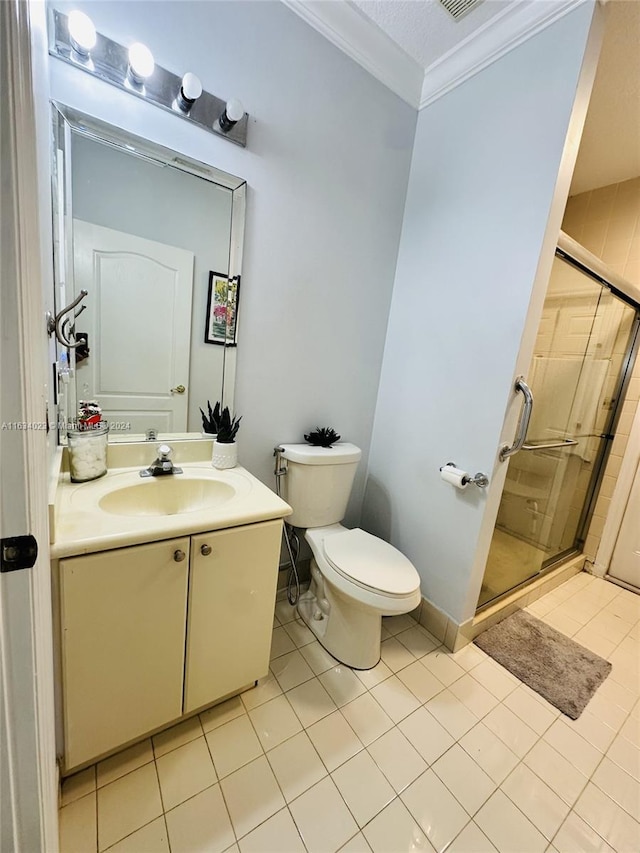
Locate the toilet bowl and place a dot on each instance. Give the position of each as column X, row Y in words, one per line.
column 356, row 578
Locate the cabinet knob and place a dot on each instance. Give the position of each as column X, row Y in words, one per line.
column 179, row 556
column 205, row 550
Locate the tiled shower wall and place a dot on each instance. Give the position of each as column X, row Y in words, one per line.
column 606, row 221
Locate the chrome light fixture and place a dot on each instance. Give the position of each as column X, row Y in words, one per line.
column 82, row 33
column 73, row 39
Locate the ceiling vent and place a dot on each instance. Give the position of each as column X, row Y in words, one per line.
column 458, row 8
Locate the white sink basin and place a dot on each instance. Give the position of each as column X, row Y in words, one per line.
column 167, row 495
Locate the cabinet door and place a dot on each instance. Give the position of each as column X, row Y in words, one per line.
column 232, row 593
column 123, row 634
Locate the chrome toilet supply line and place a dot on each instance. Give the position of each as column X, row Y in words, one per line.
column 480, row 480
column 61, row 322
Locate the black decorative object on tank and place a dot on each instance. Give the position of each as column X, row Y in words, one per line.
column 322, row 437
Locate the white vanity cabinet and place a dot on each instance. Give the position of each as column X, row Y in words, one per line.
column 150, row 633
column 232, row 590
column 123, row 618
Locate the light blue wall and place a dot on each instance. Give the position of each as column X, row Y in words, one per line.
column 485, row 165
column 327, row 166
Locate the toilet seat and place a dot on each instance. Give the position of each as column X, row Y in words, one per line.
column 370, row 563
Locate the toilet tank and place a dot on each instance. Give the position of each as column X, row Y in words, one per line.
column 318, row 482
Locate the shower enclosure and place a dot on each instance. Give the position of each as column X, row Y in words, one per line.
column 584, row 353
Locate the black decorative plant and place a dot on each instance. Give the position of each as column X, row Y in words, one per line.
column 211, row 424
column 227, row 427
column 322, row 437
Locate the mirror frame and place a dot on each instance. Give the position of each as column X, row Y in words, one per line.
column 66, row 120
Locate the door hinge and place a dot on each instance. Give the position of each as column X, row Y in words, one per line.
column 18, row 552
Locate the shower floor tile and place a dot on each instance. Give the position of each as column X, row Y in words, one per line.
column 507, row 772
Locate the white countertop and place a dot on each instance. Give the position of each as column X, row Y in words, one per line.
column 80, row 526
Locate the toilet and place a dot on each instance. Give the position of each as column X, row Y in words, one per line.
column 356, row 578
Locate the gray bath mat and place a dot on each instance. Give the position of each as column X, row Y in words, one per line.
column 556, row 667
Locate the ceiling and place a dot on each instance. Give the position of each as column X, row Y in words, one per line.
column 610, row 147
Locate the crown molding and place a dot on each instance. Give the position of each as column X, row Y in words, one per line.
column 505, row 31
column 349, row 29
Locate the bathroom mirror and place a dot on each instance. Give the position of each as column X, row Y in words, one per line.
column 155, row 239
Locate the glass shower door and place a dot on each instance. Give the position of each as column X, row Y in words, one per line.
column 581, row 354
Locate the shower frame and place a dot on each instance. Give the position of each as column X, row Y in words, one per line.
column 577, row 256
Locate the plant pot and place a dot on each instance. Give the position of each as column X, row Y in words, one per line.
column 224, row 455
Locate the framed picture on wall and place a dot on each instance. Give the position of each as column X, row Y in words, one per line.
column 222, row 310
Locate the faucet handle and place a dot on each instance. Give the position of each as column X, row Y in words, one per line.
column 164, row 452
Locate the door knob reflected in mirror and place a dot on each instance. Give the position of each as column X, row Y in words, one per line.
column 179, row 556
column 205, row 550
column 179, row 389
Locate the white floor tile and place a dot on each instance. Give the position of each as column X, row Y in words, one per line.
column 471, row 840
column 286, row 612
column 573, row 747
column 442, row 664
column 469, row 656
column 299, row 633
column 334, row 739
column 618, row 785
column 367, row 718
column 184, row 772
column 342, row 684
column 466, row 780
column 317, row 657
column 78, row 785
column 357, row 844
column 472, row 694
column 78, row 832
column 152, row 838
column 487, row 750
column 420, row 681
column 222, row 713
column 322, row 818
column 124, row 762
column 559, row 774
column 373, row 676
column 451, row 713
column 395, row 654
column 507, row 828
column 396, row 699
column 593, row 730
column 363, row 786
column 281, row 643
column 417, row 640
column 576, row 836
column 631, row 730
column 311, row 702
column 395, row 831
column 296, row 765
column 276, row 835
column 127, row 804
column 201, row 823
column 267, row 688
column 537, row 801
column 534, row 711
column 438, row 813
column 425, row 733
column 233, row 745
column 495, row 678
column 610, row 821
column 397, row 759
column 291, row 669
column 177, row 736
column 515, row 733
column 252, row 795
column 274, row 722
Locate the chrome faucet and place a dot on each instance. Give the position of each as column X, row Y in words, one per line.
column 162, row 465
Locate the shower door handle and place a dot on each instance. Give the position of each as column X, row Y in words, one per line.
column 523, row 423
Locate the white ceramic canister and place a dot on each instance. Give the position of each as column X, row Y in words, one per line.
column 224, row 455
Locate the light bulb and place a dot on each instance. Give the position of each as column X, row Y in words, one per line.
column 190, row 91
column 81, row 32
column 141, row 62
column 231, row 114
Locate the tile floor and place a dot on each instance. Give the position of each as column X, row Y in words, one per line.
column 428, row 751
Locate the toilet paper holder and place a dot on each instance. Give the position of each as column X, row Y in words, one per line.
column 481, row 480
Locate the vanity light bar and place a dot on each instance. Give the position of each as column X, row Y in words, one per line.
column 109, row 61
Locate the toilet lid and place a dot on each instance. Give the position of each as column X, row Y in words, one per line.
column 371, row 562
